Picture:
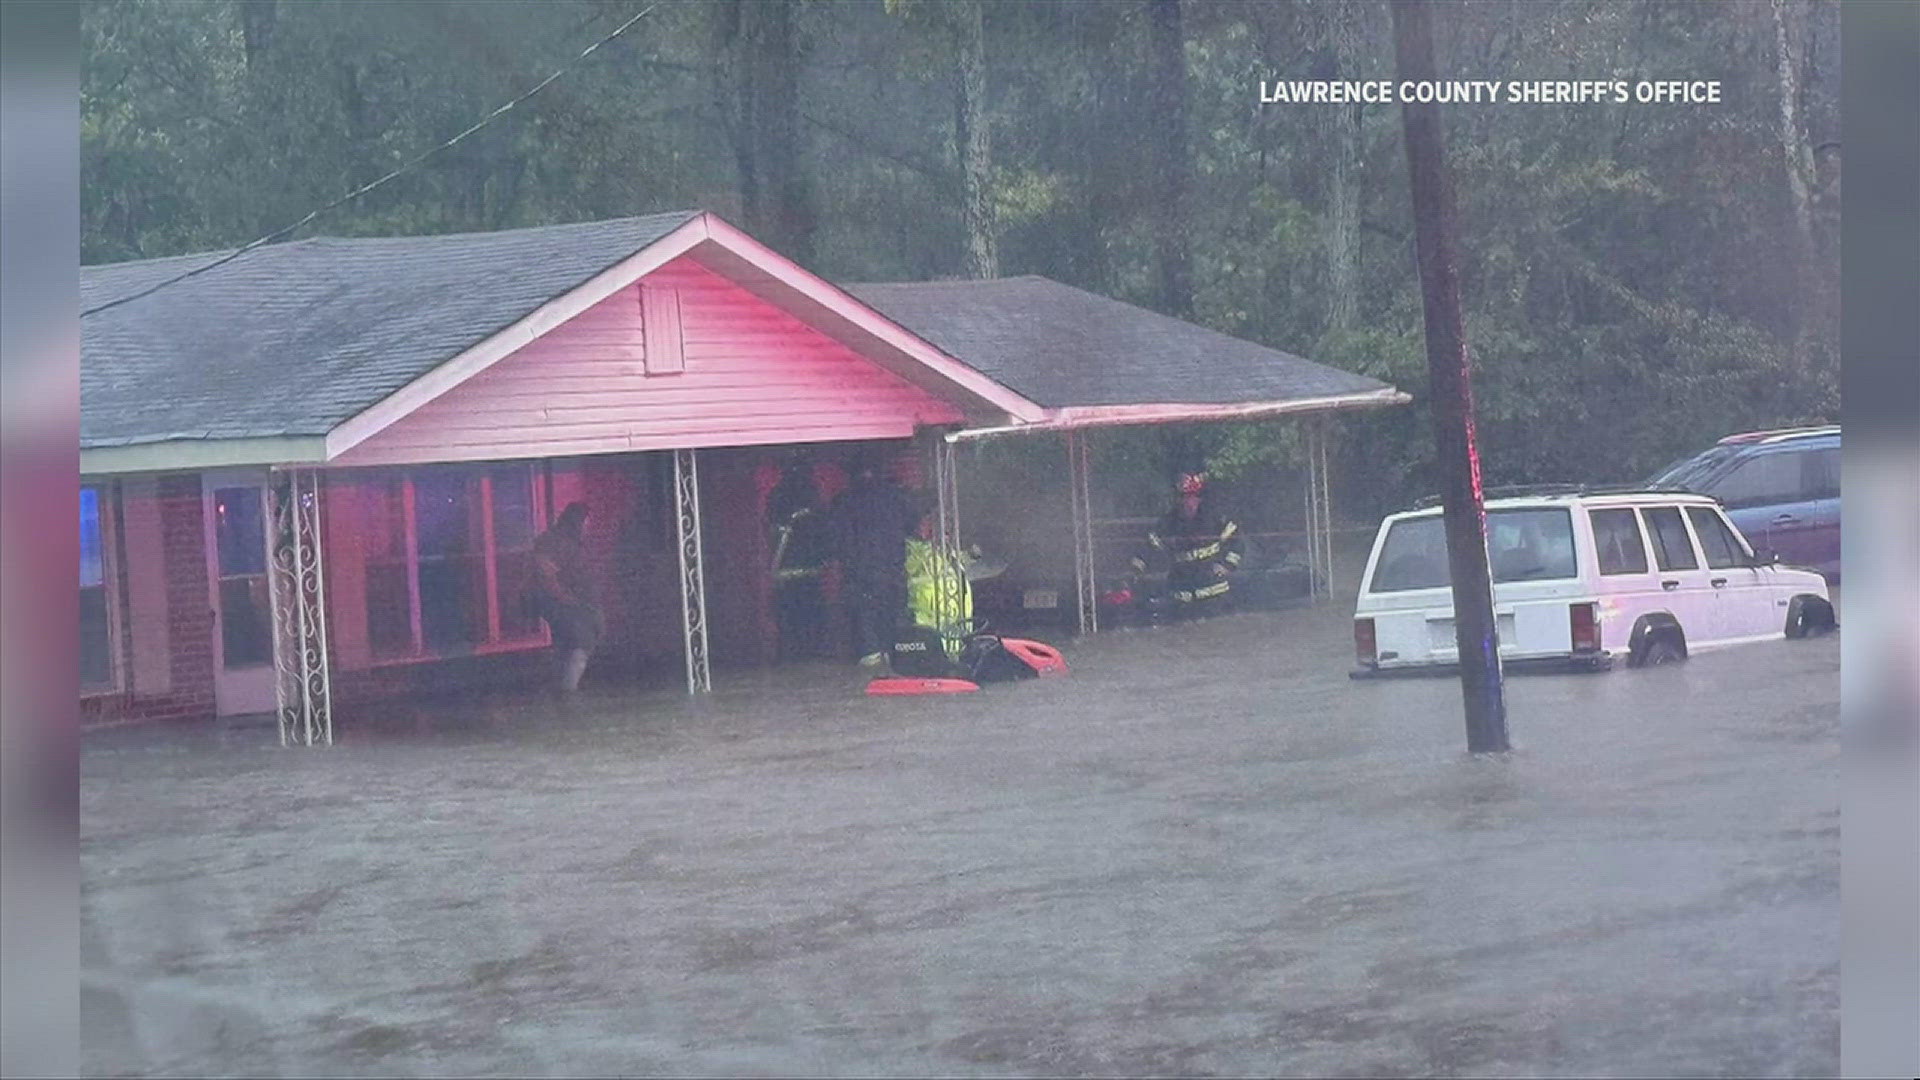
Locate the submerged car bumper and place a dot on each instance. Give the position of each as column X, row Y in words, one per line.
column 1539, row 665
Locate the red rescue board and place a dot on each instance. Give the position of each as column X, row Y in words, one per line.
column 1041, row 657
column 895, row 685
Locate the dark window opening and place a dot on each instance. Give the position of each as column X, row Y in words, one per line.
column 96, row 612
column 1760, row 480
column 1618, row 540
column 1523, row 545
column 1722, row 548
column 1672, row 550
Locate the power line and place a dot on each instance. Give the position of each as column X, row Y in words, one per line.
column 364, row 188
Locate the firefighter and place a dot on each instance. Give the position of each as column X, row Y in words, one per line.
column 874, row 517
column 797, row 526
column 939, row 597
column 1199, row 548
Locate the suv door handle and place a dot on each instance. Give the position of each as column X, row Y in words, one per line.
column 1669, row 585
column 1784, row 519
column 1718, row 582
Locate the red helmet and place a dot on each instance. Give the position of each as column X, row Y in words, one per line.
column 1192, row 483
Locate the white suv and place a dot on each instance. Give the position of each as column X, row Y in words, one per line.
column 1581, row 578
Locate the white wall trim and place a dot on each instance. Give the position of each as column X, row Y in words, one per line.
column 182, row 455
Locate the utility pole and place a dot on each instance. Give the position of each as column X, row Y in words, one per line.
column 1474, row 627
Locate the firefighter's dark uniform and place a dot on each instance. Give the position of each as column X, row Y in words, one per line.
column 799, row 606
column 1200, row 554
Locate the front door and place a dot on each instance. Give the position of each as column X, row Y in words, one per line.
column 1684, row 590
column 1743, row 593
column 236, row 521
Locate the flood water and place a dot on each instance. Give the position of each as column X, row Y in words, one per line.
column 1204, row 852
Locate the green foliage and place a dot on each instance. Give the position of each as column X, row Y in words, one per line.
column 1631, row 288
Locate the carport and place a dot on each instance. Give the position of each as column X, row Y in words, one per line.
column 1095, row 363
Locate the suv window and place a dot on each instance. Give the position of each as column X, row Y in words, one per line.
column 1716, row 540
column 1671, row 548
column 1761, row 480
column 1617, row 538
column 1522, row 545
column 1820, row 473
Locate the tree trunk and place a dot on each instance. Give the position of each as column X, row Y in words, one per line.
column 735, row 106
column 1343, row 197
column 779, row 59
column 1796, row 154
column 1168, row 122
column 757, row 59
column 257, row 18
column 974, row 143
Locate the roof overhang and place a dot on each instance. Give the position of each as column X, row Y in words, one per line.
column 1080, row 418
column 169, row 455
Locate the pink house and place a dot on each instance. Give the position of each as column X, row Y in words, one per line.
column 314, row 473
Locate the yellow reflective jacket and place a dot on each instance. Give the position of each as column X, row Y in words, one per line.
column 927, row 574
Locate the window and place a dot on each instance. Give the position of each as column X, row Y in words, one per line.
column 1617, row 538
column 514, row 527
column 1761, row 480
column 1687, row 472
column 1820, row 473
column 451, row 558
column 1722, row 547
column 97, row 666
column 246, row 604
column 448, row 551
column 387, row 532
column 1523, row 545
column 1671, row 547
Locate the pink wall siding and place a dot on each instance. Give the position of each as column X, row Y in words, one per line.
column 346, row 565
column 753, row 375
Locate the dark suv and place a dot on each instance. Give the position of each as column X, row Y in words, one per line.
column 1781, row 488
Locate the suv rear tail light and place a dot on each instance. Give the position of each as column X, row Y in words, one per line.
column 1363, row 643
column 1584, row 621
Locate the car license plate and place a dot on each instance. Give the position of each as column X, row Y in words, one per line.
column 1040, row 598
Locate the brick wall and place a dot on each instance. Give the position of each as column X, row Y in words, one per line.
column 187, row 617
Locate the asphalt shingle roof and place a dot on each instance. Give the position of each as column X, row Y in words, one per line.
column 292, row 339
column 1061, row 347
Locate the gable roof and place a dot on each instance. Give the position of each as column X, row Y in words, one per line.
column 297, row 351
column 1070, row 349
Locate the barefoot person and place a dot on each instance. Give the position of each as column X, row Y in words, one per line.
column 561, row 594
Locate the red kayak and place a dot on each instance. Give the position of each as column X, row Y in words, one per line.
column 1044, row 659
column 908, row 684
column 921, row 660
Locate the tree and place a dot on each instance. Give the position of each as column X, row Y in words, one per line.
column 1167, row 118
column 757, row 66
column 1629, row 283
column 974, row 140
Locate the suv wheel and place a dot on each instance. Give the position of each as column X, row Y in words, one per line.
column 1662, row 650
column 1808, row 616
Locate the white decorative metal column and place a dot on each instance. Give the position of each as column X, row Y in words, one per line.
column 1326, row 504
column 1081, row 494
column 946, row 538
column 693, row 589
column 297, row 591
column 1319, row 513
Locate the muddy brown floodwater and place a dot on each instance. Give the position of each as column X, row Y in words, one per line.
column 1205, row 852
